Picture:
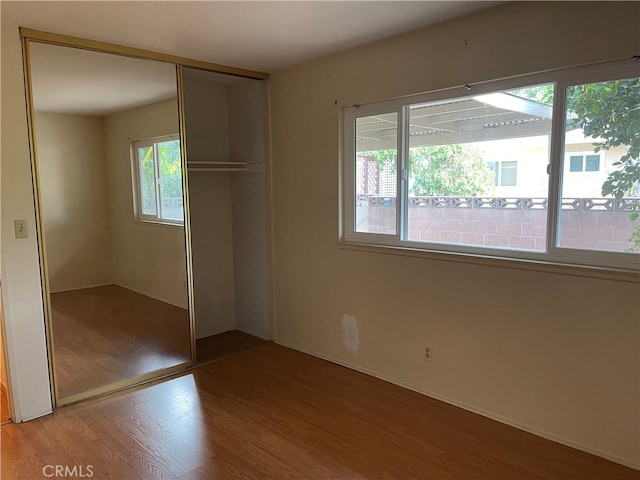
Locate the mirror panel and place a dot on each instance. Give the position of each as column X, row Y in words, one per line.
column 106, row 130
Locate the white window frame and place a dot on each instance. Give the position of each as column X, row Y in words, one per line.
column 562, row 78
column 137, row 188
column 498, row 172
column 584, row 155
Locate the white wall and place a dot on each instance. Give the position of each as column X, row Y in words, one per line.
column 212, row 253
column 147, row 258
column 228, row 211
column 21, row 291
column 75, row 205
column 248, row 143
column 556, row 354
column 207, row 132
column 532, row 155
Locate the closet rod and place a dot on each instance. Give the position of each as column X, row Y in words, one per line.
column 216, row 170
column 226, row 167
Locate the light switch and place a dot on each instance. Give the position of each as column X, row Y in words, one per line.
column 21, row 228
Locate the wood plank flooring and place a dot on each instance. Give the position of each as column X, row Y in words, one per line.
column 224, row 344
column 106, row 334
column 5, row 413
column 272, row 412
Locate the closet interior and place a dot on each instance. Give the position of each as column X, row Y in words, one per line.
column 225, row 119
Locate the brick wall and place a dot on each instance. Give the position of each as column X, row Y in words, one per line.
column 510, row 226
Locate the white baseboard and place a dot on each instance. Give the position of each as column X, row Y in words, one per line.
column 73, row 289
column 32, row 416
column 484, row 413
column 148, row 294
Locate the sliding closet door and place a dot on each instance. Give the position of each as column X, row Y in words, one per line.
column 109, row 178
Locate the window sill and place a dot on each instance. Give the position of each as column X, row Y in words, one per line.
column 618, row 275
column 154, row 223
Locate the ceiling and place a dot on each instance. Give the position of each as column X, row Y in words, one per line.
column 263, row 36
column 81, row 82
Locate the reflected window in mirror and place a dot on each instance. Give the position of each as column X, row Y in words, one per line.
column 158, row 180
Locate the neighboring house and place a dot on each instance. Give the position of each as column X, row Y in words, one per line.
column 520, row 166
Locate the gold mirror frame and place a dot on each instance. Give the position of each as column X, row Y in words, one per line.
column 28, row 36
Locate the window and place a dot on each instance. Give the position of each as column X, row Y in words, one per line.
column 376, row 173
column 428, row 171
column 584, row 163
column 158, row 180
column 505, row 174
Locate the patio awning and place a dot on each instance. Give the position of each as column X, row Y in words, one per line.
column 473, row 119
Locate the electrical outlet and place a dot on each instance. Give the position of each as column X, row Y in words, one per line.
column 428, row 353
column 21, row 228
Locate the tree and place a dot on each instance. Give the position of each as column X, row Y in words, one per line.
column 442, row 170
column 170, row 168
column 448, row 170
column 611, row 111
column 167, row 166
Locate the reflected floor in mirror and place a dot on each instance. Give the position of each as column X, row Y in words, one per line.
column 106, row 334
column 224, row 344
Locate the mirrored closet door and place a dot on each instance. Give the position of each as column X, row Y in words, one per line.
column 109, row 169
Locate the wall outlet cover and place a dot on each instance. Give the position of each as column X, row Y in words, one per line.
column 21, row 228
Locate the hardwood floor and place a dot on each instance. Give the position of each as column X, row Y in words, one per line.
column 106, row 334
column 272, row 412
column 5, row 414
column 224, row 344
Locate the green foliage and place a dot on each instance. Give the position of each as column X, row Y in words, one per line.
column 611, row 111
column 170, row 171
column 385, row 158
column 539, row 93
column 443, row 170
column 607, row 110
column 448, row 170
column 635, row 239
column 147, row 174
column 170, row 168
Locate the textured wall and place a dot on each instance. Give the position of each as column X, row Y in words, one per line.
column 516, row 345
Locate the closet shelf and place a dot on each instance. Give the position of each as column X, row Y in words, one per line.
column 222, row 167
column 225, row 167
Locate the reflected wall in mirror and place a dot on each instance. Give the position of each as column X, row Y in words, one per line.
column 110, row 178
column 225, row 129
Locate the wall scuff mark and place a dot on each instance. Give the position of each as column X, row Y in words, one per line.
column 350, row 336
